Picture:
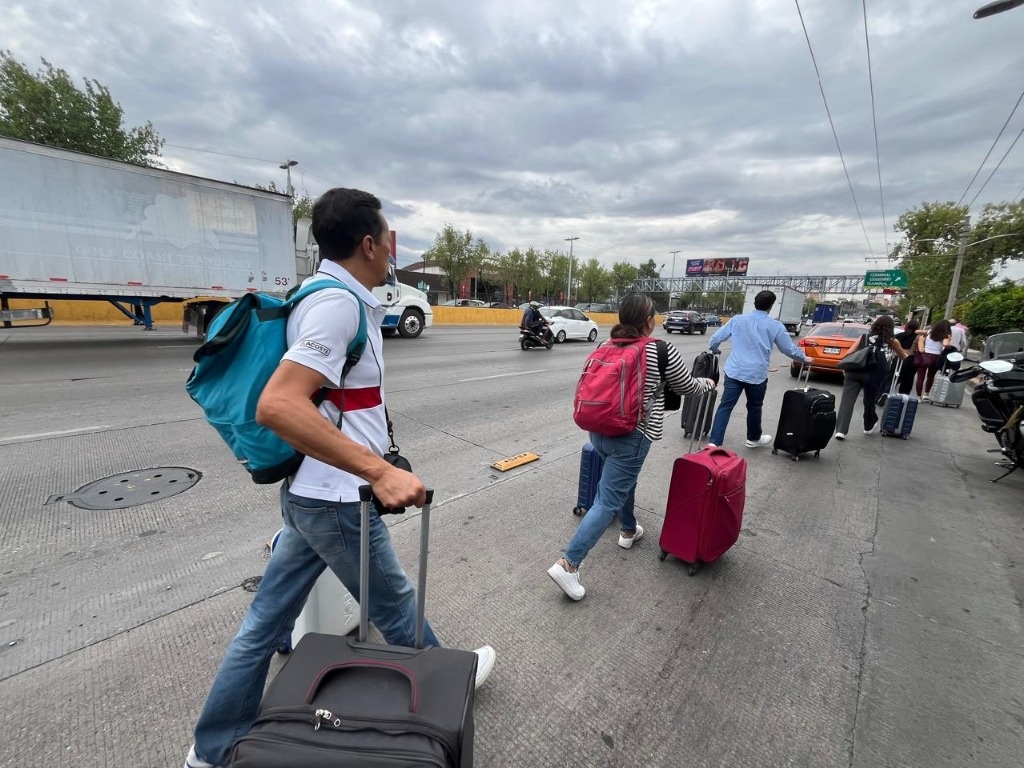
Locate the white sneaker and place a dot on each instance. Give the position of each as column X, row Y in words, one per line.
column 712, row 445
column 764, row 440
column 840, row 435
column 627, row 541
column 873, row 428
column 569, row 582
column 192, row 761
column 485, row 658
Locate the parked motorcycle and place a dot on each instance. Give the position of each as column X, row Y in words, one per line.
column 1000, row 403
column 530, row 338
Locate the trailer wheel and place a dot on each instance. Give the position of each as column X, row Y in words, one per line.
column 411, row 324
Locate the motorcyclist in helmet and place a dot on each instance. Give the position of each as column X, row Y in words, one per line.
column 534, row 321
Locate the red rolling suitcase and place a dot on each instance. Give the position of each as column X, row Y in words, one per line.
column 704, row 512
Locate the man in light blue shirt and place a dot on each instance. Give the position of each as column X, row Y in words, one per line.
column 746, row 370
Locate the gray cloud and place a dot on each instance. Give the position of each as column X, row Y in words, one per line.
column 642, row 127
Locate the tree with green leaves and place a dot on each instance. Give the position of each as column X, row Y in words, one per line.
column 457, row 255
column 995, row 310
column 595, row 282
column 623, row 275
column 557, row 274
column 47, row 108
column 928, row 256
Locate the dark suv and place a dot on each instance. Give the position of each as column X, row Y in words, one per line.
column 684, row 321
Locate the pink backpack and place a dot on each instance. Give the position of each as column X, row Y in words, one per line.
column 610, row 393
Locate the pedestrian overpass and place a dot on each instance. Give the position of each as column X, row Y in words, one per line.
column 823, row 285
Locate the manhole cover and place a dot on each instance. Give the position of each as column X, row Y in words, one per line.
column 130, row 489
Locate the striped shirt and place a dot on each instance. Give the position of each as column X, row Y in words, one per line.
column 677, row 378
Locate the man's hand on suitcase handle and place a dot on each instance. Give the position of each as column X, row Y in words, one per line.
column 395, row 489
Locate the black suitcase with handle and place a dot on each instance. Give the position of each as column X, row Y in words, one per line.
column 807, row 421
column 705, row 366
column 341, row 702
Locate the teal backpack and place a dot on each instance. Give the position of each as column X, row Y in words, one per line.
column 244, row 345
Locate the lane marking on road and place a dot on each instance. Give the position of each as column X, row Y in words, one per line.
column 500, row 376
column 37, row 435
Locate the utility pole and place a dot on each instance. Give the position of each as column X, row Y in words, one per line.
column 568, row 289
column 953, row 286
column 672, row 281
column 286, row 166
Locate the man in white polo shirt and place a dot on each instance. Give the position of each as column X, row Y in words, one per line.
column 320, row 504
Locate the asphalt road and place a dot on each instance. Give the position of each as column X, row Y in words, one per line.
column 869, row 616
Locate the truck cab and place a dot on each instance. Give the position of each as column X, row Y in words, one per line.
column 408, row 311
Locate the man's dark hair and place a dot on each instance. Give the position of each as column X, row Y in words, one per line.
column 342, row 218
column 764, row 300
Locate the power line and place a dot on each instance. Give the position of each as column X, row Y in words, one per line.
column 874, row 125
column 998, row 136
column 224, row 154
column 980, row 189
column 832, row 123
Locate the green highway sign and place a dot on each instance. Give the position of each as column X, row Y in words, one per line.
column 886, row 278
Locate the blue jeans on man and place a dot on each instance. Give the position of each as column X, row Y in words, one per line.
column 730, row 396
column 623, row 459
column 315, row 533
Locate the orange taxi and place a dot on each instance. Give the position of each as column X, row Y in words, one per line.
column 828, row 343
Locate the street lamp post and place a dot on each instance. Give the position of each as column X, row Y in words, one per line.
column 672, row 280
column 286, row 166
column 568, row 288
column 955, row 284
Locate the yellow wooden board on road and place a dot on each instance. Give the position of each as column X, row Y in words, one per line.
column 515, row 461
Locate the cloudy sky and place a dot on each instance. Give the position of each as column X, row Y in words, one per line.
column 642, row 127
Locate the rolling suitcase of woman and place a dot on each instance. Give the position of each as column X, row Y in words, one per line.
column 704, row 512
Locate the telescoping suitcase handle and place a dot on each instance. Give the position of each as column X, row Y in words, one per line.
column 365, row 495
column 703, row 406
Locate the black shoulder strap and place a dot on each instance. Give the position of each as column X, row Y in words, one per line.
column 662, row 348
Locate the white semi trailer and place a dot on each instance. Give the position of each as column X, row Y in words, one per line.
column 788, row 308
column 79, row 227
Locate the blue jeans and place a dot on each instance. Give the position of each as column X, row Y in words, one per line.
column 730, row 396
column 316, row 533
column 623, row 459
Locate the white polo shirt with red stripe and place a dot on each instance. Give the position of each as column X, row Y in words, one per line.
column 320, row 329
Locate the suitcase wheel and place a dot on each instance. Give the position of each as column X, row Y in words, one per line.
column 692, row 570
column 817, row 454
column 775, row 451
column 663, row 555
column 284, row 648
column 579, row 511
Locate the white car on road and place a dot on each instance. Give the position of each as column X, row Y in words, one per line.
column 570, row 323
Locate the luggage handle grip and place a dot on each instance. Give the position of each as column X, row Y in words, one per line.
column 365, row 494
column 414, row 693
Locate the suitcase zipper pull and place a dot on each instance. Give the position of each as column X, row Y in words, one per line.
column 324, row 714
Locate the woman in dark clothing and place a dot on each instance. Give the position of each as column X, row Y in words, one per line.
column 869, row 382
column 907, row 339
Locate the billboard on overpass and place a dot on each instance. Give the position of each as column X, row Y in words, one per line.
column 698, row 267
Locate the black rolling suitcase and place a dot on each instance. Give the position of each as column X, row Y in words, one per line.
column 340, row 702
column 590, row 475
column 807, row 421
column 705, row 366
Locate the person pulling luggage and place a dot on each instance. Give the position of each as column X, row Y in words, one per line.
column 869, row 381
column 624, row 449
column 320, row 502
column 753, row 336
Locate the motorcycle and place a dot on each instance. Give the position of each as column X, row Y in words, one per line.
column 530, row 338
column 1000, row 403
